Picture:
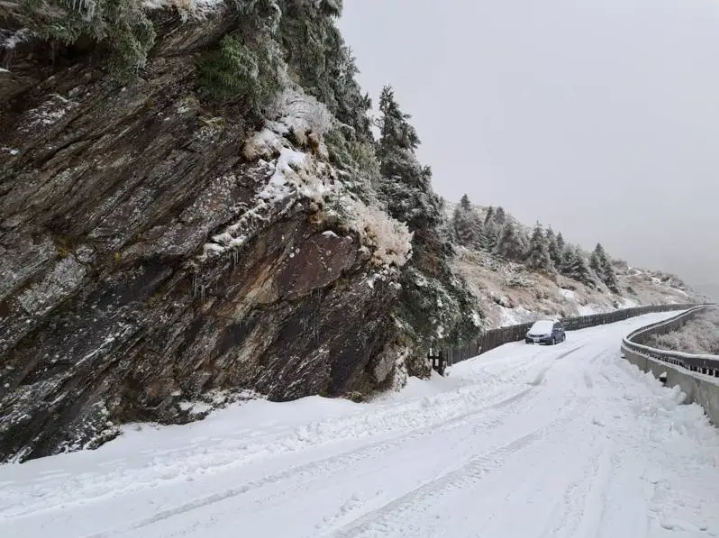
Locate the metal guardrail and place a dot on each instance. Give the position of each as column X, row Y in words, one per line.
column 636, row 342
column 496, row 337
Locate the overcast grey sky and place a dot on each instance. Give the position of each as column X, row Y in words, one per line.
column 599, row 117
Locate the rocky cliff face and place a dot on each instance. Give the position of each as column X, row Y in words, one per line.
column 154, row 250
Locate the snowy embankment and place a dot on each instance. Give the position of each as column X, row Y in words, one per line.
column 562, row 441
column 511, row 294
column 699, row 336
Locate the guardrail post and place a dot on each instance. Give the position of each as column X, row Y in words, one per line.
column 438, row 360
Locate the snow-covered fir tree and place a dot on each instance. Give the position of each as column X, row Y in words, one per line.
column 489, row 236
column 575, row 266
column 568, row 259
column 595, row 259
column 500, row 216
column 491, row 229
column 538, row 255
column 509, row 246
column 523, row 238
column 489, row 215
column 406, row 184
column 610, row 277
column 555, row 253
column 602, row 266
column 467, row 224
column 435, row 305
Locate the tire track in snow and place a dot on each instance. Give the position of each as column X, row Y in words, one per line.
column 462, row 477
column 330, row 465
column 300, row 476
column 485, row 425
column 567, row 515
column 542, row 376
column 233, row 455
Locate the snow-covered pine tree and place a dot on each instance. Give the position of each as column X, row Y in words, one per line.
column 492, row 228
column 582, row 271
column 500, row 216
column 555, row 253
column 611, row 277
column 406, row 184
column 510, row 245
column 467, row 224
column 560, row 245
column 320, row 59
column 489, row 237
column 575, row 266
column 435, row 306
column 602, row 266
column 538, row 255
column 595, row 261
column 445, row 229
column 523, row 238
column 489, row 216
column 567, row 260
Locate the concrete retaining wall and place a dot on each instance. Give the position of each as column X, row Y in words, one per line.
column 699, row 388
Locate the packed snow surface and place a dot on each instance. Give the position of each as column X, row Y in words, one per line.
column 522, row 442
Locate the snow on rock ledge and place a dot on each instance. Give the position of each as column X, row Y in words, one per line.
column 293, row 175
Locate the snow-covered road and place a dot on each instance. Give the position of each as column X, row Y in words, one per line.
column 523, row 442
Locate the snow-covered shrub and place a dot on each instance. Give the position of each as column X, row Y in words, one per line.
column 389, row 239
column 518, row 280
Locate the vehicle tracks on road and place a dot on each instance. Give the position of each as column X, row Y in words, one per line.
column 398, row 511
column 297, row 478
